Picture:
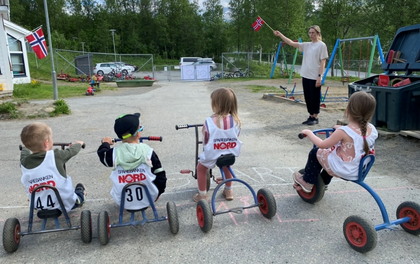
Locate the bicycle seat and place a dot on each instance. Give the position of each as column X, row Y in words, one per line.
column 225, row 160
column 43, row 214
column 365, row 164
column 136, row 210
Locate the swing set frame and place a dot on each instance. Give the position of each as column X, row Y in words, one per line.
column 341, row 42
column 280, row 49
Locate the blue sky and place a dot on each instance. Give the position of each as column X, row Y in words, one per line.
column 224, row 3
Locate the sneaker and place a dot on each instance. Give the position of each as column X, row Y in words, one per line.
column 298, row 178
column 307, row 120
column 314, row 121
column 80, row 190
column 197, row 197
column 228, row 194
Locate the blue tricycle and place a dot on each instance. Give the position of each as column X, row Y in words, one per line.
column 12, row 232
column 358, row 231
column 104, row 226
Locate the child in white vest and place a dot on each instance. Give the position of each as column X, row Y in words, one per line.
column 132, row 161
column 41, row 165
column 339, row 155
column 224, row 127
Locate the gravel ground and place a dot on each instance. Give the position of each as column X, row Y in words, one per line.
column 299, row 233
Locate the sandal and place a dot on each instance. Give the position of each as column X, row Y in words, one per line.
column 197, row 197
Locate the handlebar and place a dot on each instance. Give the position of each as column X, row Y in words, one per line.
column 150, row 138
column 62, row 145
column 326, row 131
column 187, row 126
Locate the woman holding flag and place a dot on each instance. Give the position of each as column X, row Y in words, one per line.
column 313, row 65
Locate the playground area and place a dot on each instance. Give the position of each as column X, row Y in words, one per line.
column 335, row 98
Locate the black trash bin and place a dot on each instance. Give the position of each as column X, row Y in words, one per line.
column 397, row 91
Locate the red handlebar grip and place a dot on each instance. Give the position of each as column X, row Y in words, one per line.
column 155, row 138
column 185, row 171
column 301, row 136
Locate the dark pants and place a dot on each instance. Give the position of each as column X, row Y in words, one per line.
column 313, row 169
column 312, row 96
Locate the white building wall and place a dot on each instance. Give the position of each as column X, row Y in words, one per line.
column 6, row 77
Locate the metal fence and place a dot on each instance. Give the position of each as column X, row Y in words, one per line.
column 82, row 63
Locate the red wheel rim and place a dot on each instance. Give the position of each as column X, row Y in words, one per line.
column 414, row 223
column 263, row 204
column 200, row 216
column 308, row 195
column 356, row 234
column 108, row 228
column 17, row 236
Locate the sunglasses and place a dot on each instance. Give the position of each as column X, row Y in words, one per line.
column 129, row 135
column 140, row 129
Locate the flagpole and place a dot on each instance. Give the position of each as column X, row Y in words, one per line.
column 53, row 74
column 267, row 24
column 33, row 30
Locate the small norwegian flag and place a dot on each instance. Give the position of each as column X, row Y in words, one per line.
column 38, row 44
column 257, row 24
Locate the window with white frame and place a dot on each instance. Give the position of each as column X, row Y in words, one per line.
column 16, row 56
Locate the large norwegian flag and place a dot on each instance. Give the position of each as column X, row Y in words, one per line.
column 257, row 24
column 38, row 44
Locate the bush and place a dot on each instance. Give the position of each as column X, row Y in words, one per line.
column 61, row 107
column 9, row 108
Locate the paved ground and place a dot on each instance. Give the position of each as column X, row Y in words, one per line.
column 299, row 232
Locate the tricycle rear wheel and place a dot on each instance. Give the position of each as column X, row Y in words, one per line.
column 11, row 237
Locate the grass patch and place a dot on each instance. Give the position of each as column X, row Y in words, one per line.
column 264, row 89
column 40, row 90
column 338, row 79
column 10, row 109
column 61, row 107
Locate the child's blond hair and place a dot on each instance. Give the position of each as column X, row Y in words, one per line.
column 34, row 135
column 224, row 102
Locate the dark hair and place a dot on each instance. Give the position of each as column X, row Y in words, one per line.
column 360, row 109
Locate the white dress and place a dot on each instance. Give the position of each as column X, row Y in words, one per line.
column 343, row 160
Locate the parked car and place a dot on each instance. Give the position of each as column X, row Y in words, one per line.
column 212, row 64
column 124, row 68
column 188, row 60
column 134, row 66
column 104, row 68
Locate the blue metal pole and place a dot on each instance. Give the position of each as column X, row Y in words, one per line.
column 331, row 61
column 275, row 61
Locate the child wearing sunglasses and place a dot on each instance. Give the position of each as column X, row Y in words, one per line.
column 132, row 161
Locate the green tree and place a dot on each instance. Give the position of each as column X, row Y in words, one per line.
column 214, row 29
